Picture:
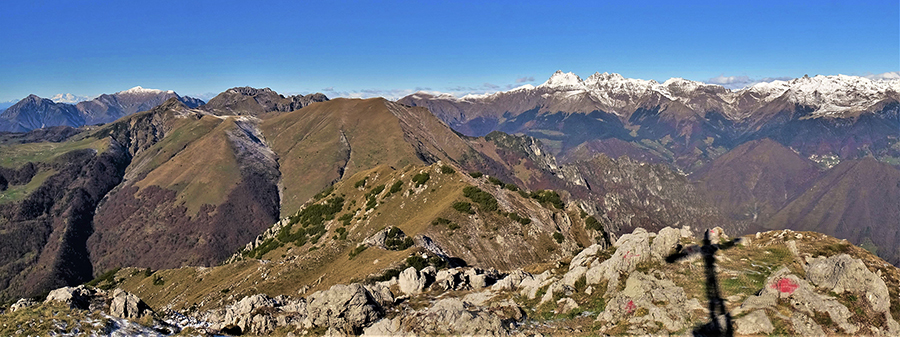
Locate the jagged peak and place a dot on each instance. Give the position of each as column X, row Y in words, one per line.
column 250, row 91
column 560, row 79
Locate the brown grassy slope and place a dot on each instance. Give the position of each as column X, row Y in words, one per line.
column 858, row 200
column 324, row 142
column 484, row 239
column 756, row 179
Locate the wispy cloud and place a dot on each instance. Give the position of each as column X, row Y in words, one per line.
column 891, row 75
column 738, row 82
column 525, row 79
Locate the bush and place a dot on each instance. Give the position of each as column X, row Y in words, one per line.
column 416, row 261
column 361, row 183
column 393, row 240
column 345, row 219
column 342, row 233
column 548, row 196
column 108, row 277
column 592, row 223
column 357, row 250
column 440, row 221
column 558, row 237
column 375, row 191
column 511, row 187
column 447, row 169
column 396, row 187
column 421, row 178
column 485, row 200
column 463, row 207
column 158, row 281
column 476, row 174
column 452, row 226
column 495, row 181
column 519, row 219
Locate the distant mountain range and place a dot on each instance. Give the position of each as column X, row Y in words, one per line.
column 686, row 122
column 34, row 112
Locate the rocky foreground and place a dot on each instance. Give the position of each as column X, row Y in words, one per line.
column 779, row 282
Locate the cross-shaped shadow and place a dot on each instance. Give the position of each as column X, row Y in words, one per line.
column 719, row 319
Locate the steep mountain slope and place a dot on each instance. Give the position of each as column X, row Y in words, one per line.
column 691, row 122
column 756, row 179
column 253, row 101
column 858, row 200
column 34, row 112
column 48, row 193
column 328, row 141
column 194, row 191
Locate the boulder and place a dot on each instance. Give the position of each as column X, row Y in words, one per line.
column 664, row 243
column 512, row 281
column 452, row 316
column 565, row 305
column 410, row 282
column 842, row 273
column 805, row 326
column 128, row 306
column 631, row 250
column 754, row 323
column 643, row 291
column 347, row 308
column 75, row 297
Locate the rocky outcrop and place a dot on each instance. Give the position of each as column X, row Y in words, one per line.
column 754, row 323
column 79, row 297
column 128, row 306
column 665, row 303
column 450, row 316
column 345, row 307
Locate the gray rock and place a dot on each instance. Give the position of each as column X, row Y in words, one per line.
column 410, row 282
column 128, row 306
column 566, row 304
column 643, row 291
column 75, row 297
column 842, row 273
column 631, row 250
column 754, row 323
column 348, row 308
column 512, row 281
column 805, row 326
column 664, row 243
column 451, row 316
column 22, row 303
column 381, row 294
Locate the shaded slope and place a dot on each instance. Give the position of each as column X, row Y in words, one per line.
column 857, row 200
column 198, row 187
column 756, row 179
column 34, row 112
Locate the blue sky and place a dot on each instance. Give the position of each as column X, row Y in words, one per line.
column 348, row 48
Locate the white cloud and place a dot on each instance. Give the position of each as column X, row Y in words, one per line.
column 70, row 98
column 525, row 79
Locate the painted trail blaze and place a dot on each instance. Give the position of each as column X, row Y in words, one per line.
column 785, row 285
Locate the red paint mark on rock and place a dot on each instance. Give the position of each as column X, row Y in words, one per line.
column 629, row 254
column 630, row 307
column 785, row 285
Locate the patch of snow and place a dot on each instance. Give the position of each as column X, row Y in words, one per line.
column 141, row 90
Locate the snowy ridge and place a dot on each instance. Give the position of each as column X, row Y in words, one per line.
column 69, row 98
column 142, row 91
column 828, row 95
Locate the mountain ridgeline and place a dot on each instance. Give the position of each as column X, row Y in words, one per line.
column 514, row 180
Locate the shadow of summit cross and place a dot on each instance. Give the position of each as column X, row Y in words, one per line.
column 720, row 323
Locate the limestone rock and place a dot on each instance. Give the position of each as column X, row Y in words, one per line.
column 664, row 242
column 805, row 326
column 128, row 306
column 642, row 291
column 754, row 323
column 512, row 281
column 345, row 307
column 448, row 316
column 631, row 250
column 842, row 273
column 566, row 304
column 75, row 297
column 410, row 282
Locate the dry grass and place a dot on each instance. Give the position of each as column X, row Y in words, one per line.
column 14, row 156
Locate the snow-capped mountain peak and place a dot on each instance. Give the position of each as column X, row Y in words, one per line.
column 143, row 91
column 69, row 98
column 560, row 79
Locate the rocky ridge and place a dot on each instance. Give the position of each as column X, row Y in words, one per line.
column 797, row 283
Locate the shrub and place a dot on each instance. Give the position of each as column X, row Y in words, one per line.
column 511, row 187
column 421, row 178
column 447, row 169
column 345, row 219
column 592, row 223
column 440, row 221
column 108, row 277
column 558, row 237
column 342, row 232
column 393, row 240
column 485, row 200
column 396, row 187
column 371, row 203
column 416, row 261
column 452, row 226
column 158, row 281
column 357, row 250
column 375, row 191
column 519, row 219
column 495, row 181
column 476, row 174
column 463, row 207
column 548, row 196
column 361, row 183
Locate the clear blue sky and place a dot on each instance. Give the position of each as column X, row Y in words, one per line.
column 389, row 48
